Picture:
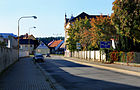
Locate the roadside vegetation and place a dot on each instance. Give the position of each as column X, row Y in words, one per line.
column 123, row 26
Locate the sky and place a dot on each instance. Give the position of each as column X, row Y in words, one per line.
column 50, row 14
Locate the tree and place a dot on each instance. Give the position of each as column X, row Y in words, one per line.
column 79, row 32
column 84, row 34
column 126, row 22
column 102, row 30
column 71, row 40
column 2, row 44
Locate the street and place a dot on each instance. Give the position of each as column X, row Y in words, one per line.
column 73, row 76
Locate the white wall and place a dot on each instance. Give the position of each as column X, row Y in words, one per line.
column 90, row 55
column 26, row 47
column 23, row 53
column 7, row 57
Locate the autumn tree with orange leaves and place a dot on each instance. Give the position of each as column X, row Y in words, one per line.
column 89, row 32
column 84, row 33
column 102, row 30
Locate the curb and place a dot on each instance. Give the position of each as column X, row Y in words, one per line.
column 129, row 64
column 107, row 68
column 49, row 78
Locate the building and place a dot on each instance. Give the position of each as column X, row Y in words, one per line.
column 69, row 21
column 26, row 36
column 62, row 48
column 9, row 39
column 28, row 45
column 42, row 49
column 55, row 47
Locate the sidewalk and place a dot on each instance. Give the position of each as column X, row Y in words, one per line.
column 114, row 67
column 24, row 75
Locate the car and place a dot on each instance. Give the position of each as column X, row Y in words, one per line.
column 48, row 55
column 38, row 58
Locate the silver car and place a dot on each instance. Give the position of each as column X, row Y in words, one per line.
column 38, row 58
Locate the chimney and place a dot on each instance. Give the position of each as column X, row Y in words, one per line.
column 26, row 35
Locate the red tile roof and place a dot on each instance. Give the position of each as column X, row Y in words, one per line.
column 56, row 43
column 50, row 43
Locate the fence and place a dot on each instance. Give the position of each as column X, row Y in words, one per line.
column 125, row 57
column 89, row 55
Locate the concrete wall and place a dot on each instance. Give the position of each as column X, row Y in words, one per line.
column 7, row 57
column 23, row 53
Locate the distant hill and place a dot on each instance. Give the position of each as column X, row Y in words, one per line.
column 49, row 39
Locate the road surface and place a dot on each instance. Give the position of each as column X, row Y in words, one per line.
column 73, row 76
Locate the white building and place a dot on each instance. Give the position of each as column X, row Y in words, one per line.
column 42, row 49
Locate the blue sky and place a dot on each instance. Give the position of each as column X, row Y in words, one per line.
column 50, row 14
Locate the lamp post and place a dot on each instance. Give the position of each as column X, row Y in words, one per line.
column 31, row 28
column 29, row 39
column 18, row 28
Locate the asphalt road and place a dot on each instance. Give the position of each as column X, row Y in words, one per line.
column 73, row 76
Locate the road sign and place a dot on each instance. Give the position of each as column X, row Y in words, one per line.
column 78, row 45
column 105, row 44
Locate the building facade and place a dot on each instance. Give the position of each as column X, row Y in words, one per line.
column 55, row 47
column 42, row 49
column 9, row 39
column 28, row 45
column 69, row 21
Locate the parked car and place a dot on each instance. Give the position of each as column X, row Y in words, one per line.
column 48, row 55
column 38, row 58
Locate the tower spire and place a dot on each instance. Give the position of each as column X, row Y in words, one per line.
column 65, row 15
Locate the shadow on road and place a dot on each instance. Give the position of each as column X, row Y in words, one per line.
column 73, row 82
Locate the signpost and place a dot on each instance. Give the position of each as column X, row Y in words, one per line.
column 78, row 46
column 105, row 44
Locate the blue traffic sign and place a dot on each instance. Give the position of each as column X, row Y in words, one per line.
column 105, row 44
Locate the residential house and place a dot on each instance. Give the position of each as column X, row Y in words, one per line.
column 55, row 47
column 26, row 36
column 69, row 21
column 1, row 39
column 42, row 49
column 28, row 45
column 62, row 48
column 9, row 39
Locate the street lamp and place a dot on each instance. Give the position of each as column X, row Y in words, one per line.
column 18, row 28
column 29, row 39
column 31, row 28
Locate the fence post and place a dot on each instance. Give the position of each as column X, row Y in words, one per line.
column 94, row 55
column 100, row 55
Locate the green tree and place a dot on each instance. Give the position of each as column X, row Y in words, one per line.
column 84, row 33
column 71, row 40
column 126, row 20
column 2, row 44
